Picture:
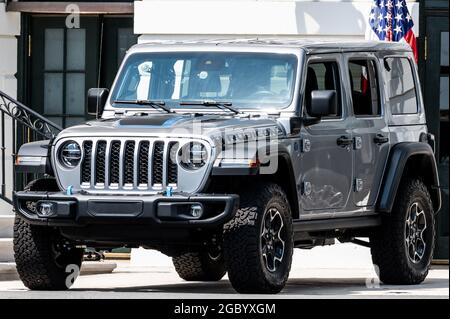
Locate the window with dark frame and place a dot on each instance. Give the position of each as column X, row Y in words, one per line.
column 323, row 76
column 401, row 86
column 364, row 87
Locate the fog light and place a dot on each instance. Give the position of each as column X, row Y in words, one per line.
column 196, row 211
column 45, row 209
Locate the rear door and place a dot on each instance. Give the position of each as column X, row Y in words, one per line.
column 370, row 130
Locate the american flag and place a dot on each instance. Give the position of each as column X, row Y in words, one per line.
column 390, row 21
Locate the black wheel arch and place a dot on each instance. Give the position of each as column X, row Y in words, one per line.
column 409, row 159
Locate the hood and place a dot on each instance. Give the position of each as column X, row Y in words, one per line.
column 169, row 125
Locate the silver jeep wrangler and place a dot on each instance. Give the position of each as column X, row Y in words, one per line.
column 227, row 155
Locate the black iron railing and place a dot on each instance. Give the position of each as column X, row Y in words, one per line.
column 19, row 124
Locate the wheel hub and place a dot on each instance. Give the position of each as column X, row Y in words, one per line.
column 415, row 227
column 272, row 243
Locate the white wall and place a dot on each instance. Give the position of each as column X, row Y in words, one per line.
column 187, row 19
column 9, row 29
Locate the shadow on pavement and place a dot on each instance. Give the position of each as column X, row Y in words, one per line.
column 303, row 286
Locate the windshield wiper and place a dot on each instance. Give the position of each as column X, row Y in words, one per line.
column 154, row 104
column 226, row 105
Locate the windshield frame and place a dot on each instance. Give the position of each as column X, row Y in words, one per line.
column 290, row 105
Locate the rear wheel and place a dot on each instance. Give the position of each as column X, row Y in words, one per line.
column 200, row 266
column 258, row 241
column 402, row 248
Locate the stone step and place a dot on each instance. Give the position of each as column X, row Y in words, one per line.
column 6, row 226
column 6, row 250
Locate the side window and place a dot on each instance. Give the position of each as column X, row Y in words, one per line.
column 401, row 86
column 323, row 76
column 364, row 87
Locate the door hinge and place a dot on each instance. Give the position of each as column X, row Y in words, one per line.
column 307, row 188
column 29, row 46
column 357, row 144
column 359, row 184
column 306, row 145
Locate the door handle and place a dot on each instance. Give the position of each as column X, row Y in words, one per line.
column 344, row 141
column 380, row 139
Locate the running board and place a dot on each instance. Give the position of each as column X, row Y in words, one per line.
column 336, row 223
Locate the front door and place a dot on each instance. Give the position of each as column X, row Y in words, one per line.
column 370, row 131
column 326, row 162
column 66, row 62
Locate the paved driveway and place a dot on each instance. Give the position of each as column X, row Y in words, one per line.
column 340, row 271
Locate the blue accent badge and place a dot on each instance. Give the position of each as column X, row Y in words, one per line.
column 169, row 190
column 69, row 190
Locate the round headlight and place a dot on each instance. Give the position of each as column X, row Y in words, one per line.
column 193, row 155
column 70, row 154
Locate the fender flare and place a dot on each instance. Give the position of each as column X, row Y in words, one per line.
column 400, row 155
column 40, row 152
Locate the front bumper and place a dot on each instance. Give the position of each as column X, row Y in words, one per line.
column 86, row 209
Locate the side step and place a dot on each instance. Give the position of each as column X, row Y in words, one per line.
column 336, row 223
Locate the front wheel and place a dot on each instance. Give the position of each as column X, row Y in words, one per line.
column 44, row 260
column 258, row 241
column 402, row 248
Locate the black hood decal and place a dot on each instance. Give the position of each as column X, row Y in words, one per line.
column 167, row 120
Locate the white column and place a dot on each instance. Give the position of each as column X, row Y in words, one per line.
column 9, row 29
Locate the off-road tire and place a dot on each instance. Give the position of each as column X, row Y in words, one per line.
column 388, row 246
column 242, row 245
column 35, row 257
column 199, row 266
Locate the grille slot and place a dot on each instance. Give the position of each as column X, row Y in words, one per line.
column 133, row 164
column 86, row 164
column 128, row 166
column 158, row 163
column 114, row 163
column 144, row 148
column 172, row 167
column 100, row 159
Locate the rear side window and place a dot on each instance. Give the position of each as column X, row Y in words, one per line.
column 364, row 87
column 401, row 86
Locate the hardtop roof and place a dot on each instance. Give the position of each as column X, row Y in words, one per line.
column 309, row 45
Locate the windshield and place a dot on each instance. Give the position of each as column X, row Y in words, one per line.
column 244, row 80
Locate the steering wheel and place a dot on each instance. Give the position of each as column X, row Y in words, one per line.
column 263, row 93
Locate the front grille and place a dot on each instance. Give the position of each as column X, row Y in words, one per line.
column 129, row 164
column 172, row 167
column 86, row 163
column 100, row 163
column 114, row 163
column 144, row 149
column 158, row 163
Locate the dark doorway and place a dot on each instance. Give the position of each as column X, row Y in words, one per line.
column 65, row 63
column 436, row 92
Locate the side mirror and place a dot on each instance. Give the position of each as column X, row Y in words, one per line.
column 323, row 103
column 96, row 100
